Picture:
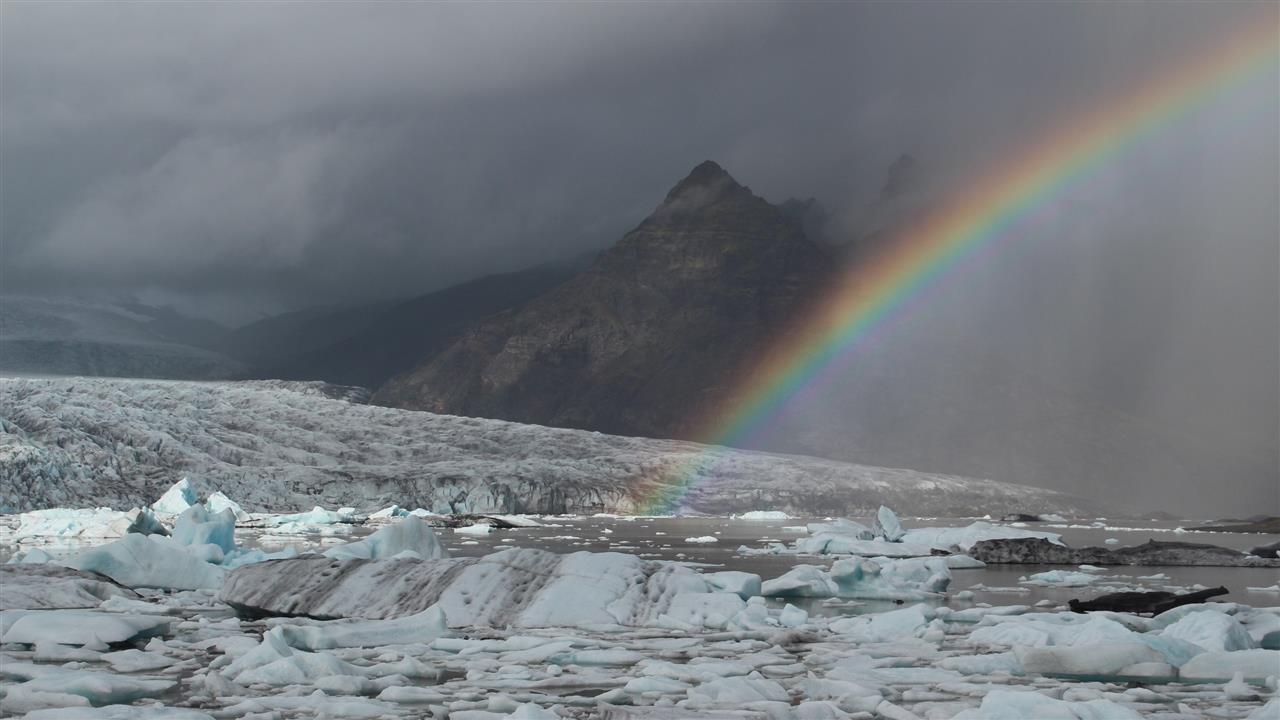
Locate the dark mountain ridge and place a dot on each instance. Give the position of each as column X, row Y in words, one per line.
column 647, row 339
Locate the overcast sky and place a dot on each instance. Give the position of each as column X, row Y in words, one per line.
column 247, row 157
column 239, row 159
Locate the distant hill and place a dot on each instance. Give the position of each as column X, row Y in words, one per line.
column 369, row 344
column 43, row 336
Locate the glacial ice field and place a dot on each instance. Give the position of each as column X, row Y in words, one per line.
column 406, row 614
column 281, row 550
column 83, row 442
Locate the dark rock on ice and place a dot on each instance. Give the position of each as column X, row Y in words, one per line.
column 1154, row 552
column 1154, row 602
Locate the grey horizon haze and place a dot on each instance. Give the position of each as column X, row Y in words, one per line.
column 236, row 161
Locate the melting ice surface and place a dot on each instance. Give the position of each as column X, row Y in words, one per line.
column 615, row 617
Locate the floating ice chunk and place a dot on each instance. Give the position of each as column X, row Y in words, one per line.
column 315, row 516
column 1021, row 705
column 134, row 660
column 764, row 515
column 18, row 699
column 734, row 691
column 743, row 584
column 882, row 627
column 422, row 627
column 888, row 525
column 217, row 502
column 703, row 609
column 1255, row 665
column 702, row 539
column 909, row 579
column 1238, row 689
column 1268, row 711
column 198, row 526
column 47, row 587
column 69, row 523
column 389, row 512
column 274, row 663
column 176, row 499
column 845, row 527
column 1111, row 541
column 99, row 688
column 149, row 561
column 474, row 529
column 987, row 664
column 1084, row 660
column 118, row 712
column 77, row 627
column 965, row 537
column 410, row 534
column 801, row 581
column 835, row 544
column 515, row 521
column 1060, row 578
column 529, row 711
column 1211, row 630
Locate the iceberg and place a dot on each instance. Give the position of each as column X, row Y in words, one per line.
column 411, row 534
column 422, row 627
column 1211, row 630
column 1021, row 705
column 150, row 561
column 858, row 578
column 176, row 499
column 513, row 587
column 217, row 502
column 1254, row 666
column 888, row 525
column 198, row 526
column 966, row 537
column 77, row 627
column 764, row 515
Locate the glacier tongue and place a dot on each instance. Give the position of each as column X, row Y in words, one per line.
column 280, row 446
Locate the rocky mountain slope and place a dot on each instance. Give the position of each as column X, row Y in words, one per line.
column 650, row 335
column 366, row 346
column 284, row 446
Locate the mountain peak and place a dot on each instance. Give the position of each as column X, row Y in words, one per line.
column 707, row 176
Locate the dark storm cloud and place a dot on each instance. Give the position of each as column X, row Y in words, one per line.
column 289, row 154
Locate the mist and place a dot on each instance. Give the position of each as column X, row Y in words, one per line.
column 239, row 161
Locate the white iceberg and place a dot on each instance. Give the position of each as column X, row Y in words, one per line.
column 198, row 526
column 888, row 525
column 217, row 502
column 764, row 515
column 409, row 535
column 150, row 561
column 176, row 499
column 964, row 538
column 1021, row 705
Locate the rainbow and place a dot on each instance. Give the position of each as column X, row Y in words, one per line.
column 873, row 291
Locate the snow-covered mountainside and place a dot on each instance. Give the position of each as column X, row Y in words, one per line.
column 272, row 445
column 71, row 337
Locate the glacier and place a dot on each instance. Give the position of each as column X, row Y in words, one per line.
column 279, row 446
